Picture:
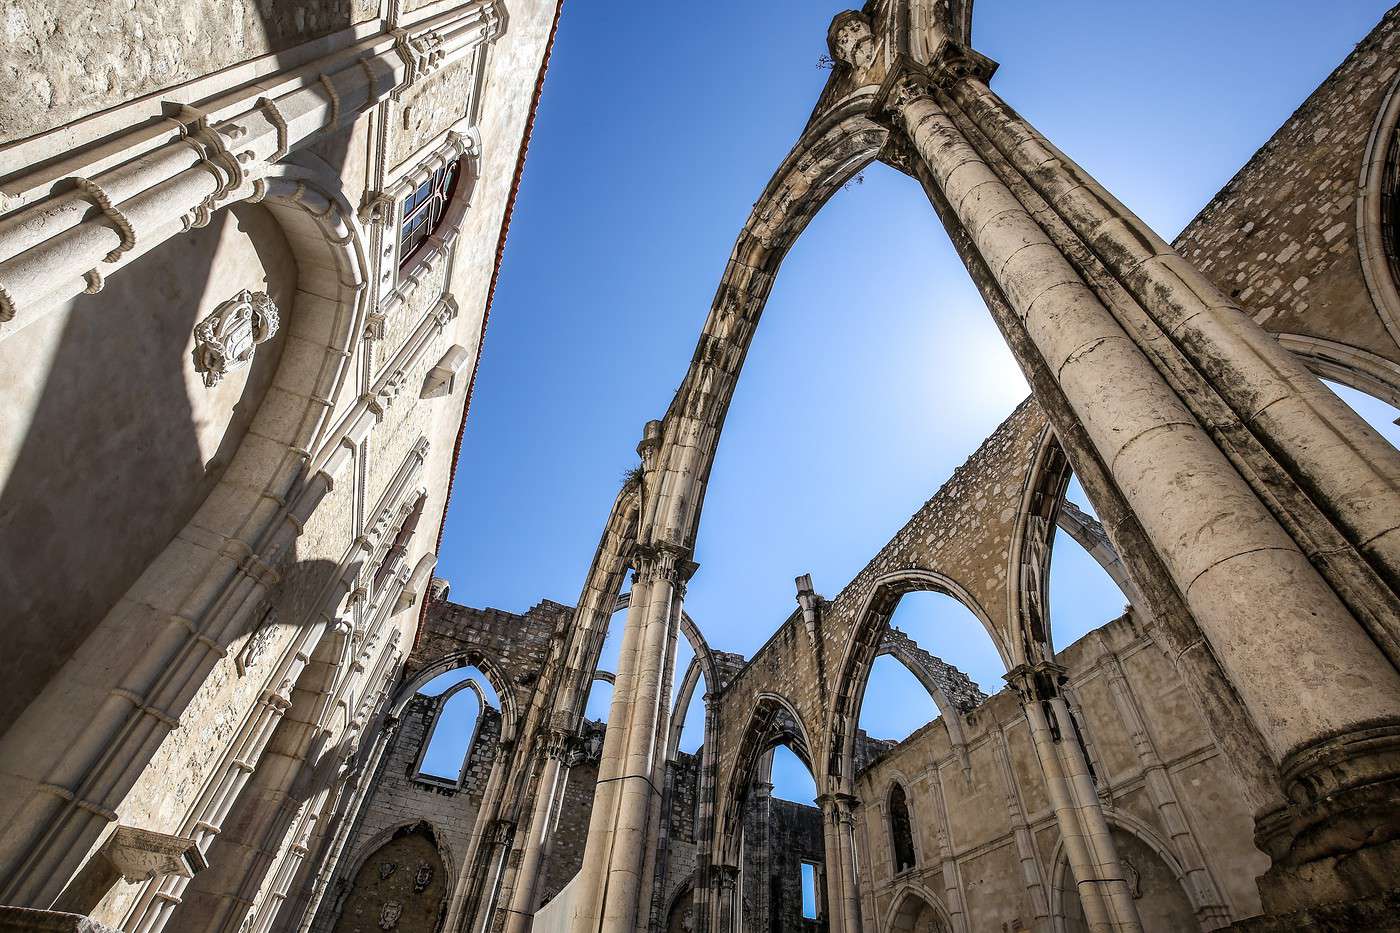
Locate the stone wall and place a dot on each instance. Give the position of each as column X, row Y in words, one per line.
column 1282, row 236
column 966, row 823
column 64, row 62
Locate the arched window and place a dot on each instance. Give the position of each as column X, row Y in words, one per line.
column 454, row 704
column 424, row 207
column 901, row 830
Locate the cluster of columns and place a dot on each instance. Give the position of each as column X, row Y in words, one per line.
column 1277, row 624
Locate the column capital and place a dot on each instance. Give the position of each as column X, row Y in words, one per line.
column 561, row 746
column 725, row 875
column 908, row 79
column 663, row 562
column 1038, row 681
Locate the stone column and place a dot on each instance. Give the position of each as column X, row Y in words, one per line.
column 1211, row 911
column 1255, row 595
column 728, row 909
column 553, row 774
column 615, row 856
column 952, row 884
column 705, row 815
column 1093, row 858
column 470, row 882
column 1344, row 464
column 848, row 897
column 831, row 847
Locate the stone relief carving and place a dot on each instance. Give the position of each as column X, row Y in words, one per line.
column 226, row 340
column 389, row 916
column 257, row 642
column 386, row 869
column 423, row 877
column 1132, row 876
column 854, row 42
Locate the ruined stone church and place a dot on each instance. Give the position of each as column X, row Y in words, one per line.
column 245, row 275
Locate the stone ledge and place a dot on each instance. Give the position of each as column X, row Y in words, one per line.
column 29, row 920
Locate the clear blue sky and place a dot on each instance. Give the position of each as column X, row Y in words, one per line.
column 876, row 369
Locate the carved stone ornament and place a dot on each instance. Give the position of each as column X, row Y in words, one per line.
column 389, row 916
column 257, row 642
column 227, row 339
column 422, row 877
column 386, row 869
column 853, row 41
column 1132, row 876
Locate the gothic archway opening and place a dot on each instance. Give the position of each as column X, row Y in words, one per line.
column 1154, row 881
column 914, row 913
column 453, row 731
column 401, row 885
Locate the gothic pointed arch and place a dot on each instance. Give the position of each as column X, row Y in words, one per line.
column 916, row 910
column 867, row 640
column 400, row 879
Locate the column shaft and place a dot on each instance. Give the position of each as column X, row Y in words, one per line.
column 616, row 854
column 1348, row 465
column 1253, row 592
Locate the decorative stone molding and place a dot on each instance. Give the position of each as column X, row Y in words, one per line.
column 852, row 40
column 140, row 854
column 28, row 920
column 1037, row 682
column 442, row 378
column 226, row 340
column 421, row 52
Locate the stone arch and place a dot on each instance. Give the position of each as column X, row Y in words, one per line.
column 1378, row 210
column 1028, row 572
column 1351, row 366
column 916, row 910
column 1130, row 831
column 684, row 697
column 471, row 657
column 204, row 589
column 470, row 685
column 833, row 148
column 774, row 721
column 404, row 878
column 599, row 601
column 680, row 912
column 864, row 644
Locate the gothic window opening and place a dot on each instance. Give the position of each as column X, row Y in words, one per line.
column 901, row 830
column 424, row 209
column 809, row 890
column 453, row 706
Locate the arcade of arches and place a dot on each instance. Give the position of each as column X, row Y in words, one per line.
column 243, row 719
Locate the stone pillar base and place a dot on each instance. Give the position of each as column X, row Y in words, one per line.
column 29, row 920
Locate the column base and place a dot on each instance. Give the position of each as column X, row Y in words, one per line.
column 29, row 920
column 1337, row 842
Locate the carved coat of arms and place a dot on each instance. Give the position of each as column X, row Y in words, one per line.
column 389, row 916
column 226, row 340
